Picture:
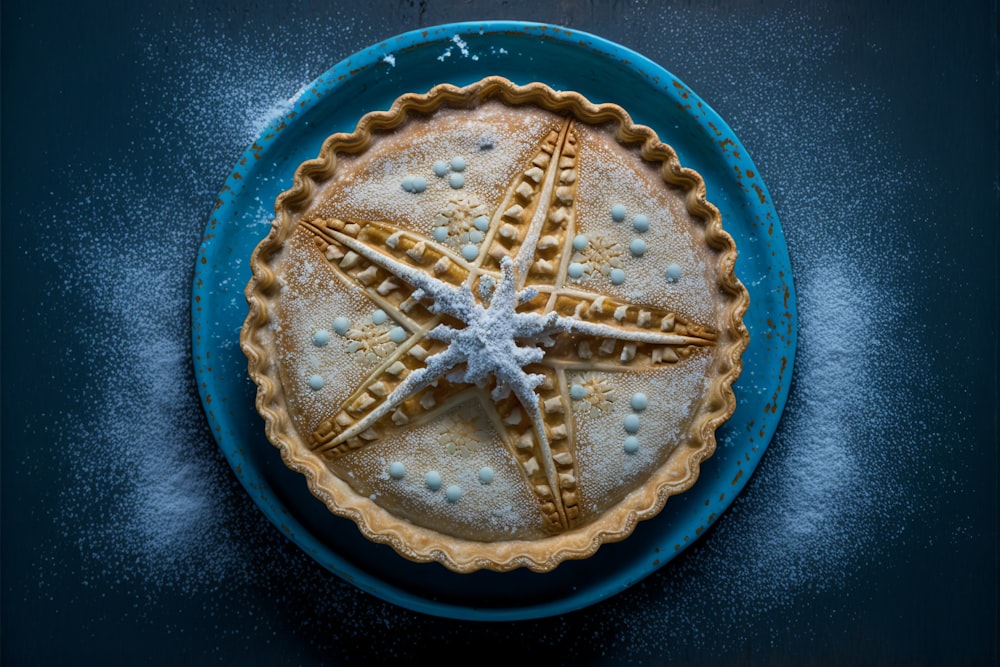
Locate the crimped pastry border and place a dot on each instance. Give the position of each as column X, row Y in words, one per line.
column 424, row 545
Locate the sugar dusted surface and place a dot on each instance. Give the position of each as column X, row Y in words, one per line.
column 226, row 571
column 301, row 316
column 492, row 155
column 607, row 473
column 671, row 238
column 457, row 446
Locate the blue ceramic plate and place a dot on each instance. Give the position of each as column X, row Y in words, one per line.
column 461, row 54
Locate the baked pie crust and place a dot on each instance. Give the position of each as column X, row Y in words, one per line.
column 495, row 326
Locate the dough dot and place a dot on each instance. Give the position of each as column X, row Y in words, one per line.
column 673, row 272
column 632, row 423
column 341, row 325
column 321, row 338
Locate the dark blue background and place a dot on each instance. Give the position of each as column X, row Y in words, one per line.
column 875, row 127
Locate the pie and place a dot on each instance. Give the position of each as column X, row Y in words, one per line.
column 495, row 325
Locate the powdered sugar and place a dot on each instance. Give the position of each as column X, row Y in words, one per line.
column 835, row 482
column 462, row 48
column 174, row 518
column 839, row 481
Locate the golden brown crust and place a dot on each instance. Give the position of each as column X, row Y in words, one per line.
column 381, row 524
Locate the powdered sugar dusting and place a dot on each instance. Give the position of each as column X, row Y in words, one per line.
column 175, row 520
column 837, row 484
column 833, row 486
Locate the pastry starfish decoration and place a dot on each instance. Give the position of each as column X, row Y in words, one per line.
column 530, row 325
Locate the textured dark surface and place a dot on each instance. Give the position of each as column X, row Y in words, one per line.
column 868, row 533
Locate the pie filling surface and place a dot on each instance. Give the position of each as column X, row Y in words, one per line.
column 495, row 326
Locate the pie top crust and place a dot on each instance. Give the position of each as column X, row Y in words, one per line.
column 495, row 326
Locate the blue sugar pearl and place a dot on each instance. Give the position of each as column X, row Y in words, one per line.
column 640, row 223
column 632, row 423
column 617, row 276
column 470, row 251
column 440, row 168
column 618, row 212
column 341, row 325
column 321, row 338
column 631, row 444
column 673, row 272
column 638, row 247
column 433, row 480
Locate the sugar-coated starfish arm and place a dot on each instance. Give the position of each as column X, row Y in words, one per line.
column 447, row 298
column 437, row 366
column 598, row 329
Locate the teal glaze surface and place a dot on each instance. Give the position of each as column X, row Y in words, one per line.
column 414, row 62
